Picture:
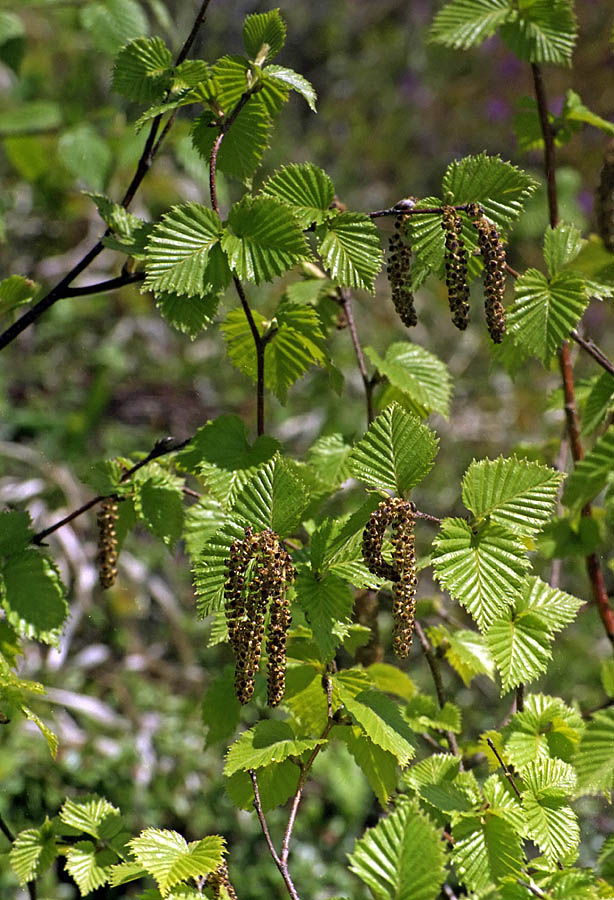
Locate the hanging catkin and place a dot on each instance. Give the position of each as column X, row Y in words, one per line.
column 493, row 256
column 107, row 543
column 219, row 881
column 456, row 268
column 399, row 515
column 399, row 273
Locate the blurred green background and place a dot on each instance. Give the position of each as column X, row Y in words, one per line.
column 105, row 375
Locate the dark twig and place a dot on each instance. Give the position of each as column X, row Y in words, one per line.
column 6, row 831
column 345, row 300
column 160, row 448
column 433, row 664
column 593, row 566
column 260, row 345
column 224, row 129
column 593, row 350
column 146, row 159
column 409, row 210
column 110, row 285
column 520, row 698
column 506, row 771
column 283, row 869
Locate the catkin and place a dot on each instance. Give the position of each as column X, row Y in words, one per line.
column 219, row 881
column 258, row 572
column 399, row 514
column 493, row 255
column 399, row 274
column 107, row 543
column 456, row 268
column 604, row 205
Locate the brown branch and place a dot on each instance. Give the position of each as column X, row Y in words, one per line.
column 160, row 448
column 433, row 664
column 146, row 159
column 283, row 868
column 593, row 566
column 260, row 345
column 411, row 210
column 224, row 129
column 345, row 301
column 593, row 350
column 506, row 771
column 102, row 286
column 6, row 831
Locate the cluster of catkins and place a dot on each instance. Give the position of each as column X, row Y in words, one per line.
column 258, row 573
column 220, row 884
column 107, row 542
column 604, row 205
column 399, row 277
column 457, row 281
column 399, row 515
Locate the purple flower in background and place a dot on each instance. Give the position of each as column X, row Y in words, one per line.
column 497, row 109
column 586, row 202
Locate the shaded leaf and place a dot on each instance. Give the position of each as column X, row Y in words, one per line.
column 33, row 596
column 141, row 70
column 418, row 374
column 464, row 23
column 270, row 741
column 306, row 189
column 350, row 248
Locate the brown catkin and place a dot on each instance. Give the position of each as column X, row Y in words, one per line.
column 399, row 514
column 456, row 268
column 493, row 255
column 604, row 200
column 399, row 274
column 107, row 543
column 258, row 571
column 219, row 882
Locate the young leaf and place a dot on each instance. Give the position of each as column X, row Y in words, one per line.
column 90, row 869
column 15, row 291
column 350, row 247
column 264, row 28
column 159, row 502
column 190, row 315
column 546, row 728
column 464, row 23
column 87, row 814
column 542, row 31
column 594, row 760
column 170, row 859
column 514, row 492
column 329, row 457
column 591, row 474
column 141, row 71
column 499, row 187
column 179, row 250
column 482, row 568
column 423, row 379
column 381, row 720
column 327, row 603
column 275, row 497
column 378, row 766
column 401, row 857
column 264, row 239
column 561, row 246
column 33, row 851
column 288, row 78
column 544, row 312
column 306, row 189
column 599, row 403
column 487, row 849
column 555, row 608
column 574, row 111
column 466, row 651
column 520, row 645
column 437, row 781
column 551, row 822
column 270, row 741
column 244, row 144
column 396, row 453
column 33, row 596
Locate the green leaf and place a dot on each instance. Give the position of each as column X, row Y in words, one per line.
column 542, row 31
column 15, row 531
column 190, row 315
column 423, row 379
column 329, row 457
column 437, row 781
column 499, row 187
column 327, row 603
column 607, row 676
column 86, row 155
column 270, row 741
column 350, row 248
column 179, row 251
column 221, row 454
column 221, row 711
column 273, row 498
column 546, row 728
column 551, row 822
column 396, row 453
column 575, row 111
column 599, row 403
column 306, row 189
column 555, row 608
column 464, row 23
column 170, row 859
column 544, row 312
column 391, row 680
column 141, row 71
column 50, row 737
column 31, row 118
column 159, row 502
column 591, row 474
column 423, row 713
column 210, row 567
column 33, row 596
column 264, row 239
column 378, row 766
column 276, row 784
column 594, row 760
column 487, row 849
column 516, row 493
column 89, row 868
column 15, row 291
column 520, row 645
column 112, row 23
column 32, row 852
column 466, row 651
column 381, row 720
column 402, row 857
column 87, row 814
column 288, row 78
column 482, row 568
column 561, row 246
column 264, row 28
column 244, row 144
column 124, row 872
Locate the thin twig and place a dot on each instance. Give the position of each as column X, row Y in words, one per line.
column 520, row 698
column 593, row 566
column 110, row 285
column 283, row 869
column 6, row 831
column 160, row 448
column 401, row 210
column 447, row 890
column 593, row 350
column 506, row 771
column 260, row 347
column 345, row 300
column 146, row 159
column 433, row 664
column 532, row 887
column 224, row 128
